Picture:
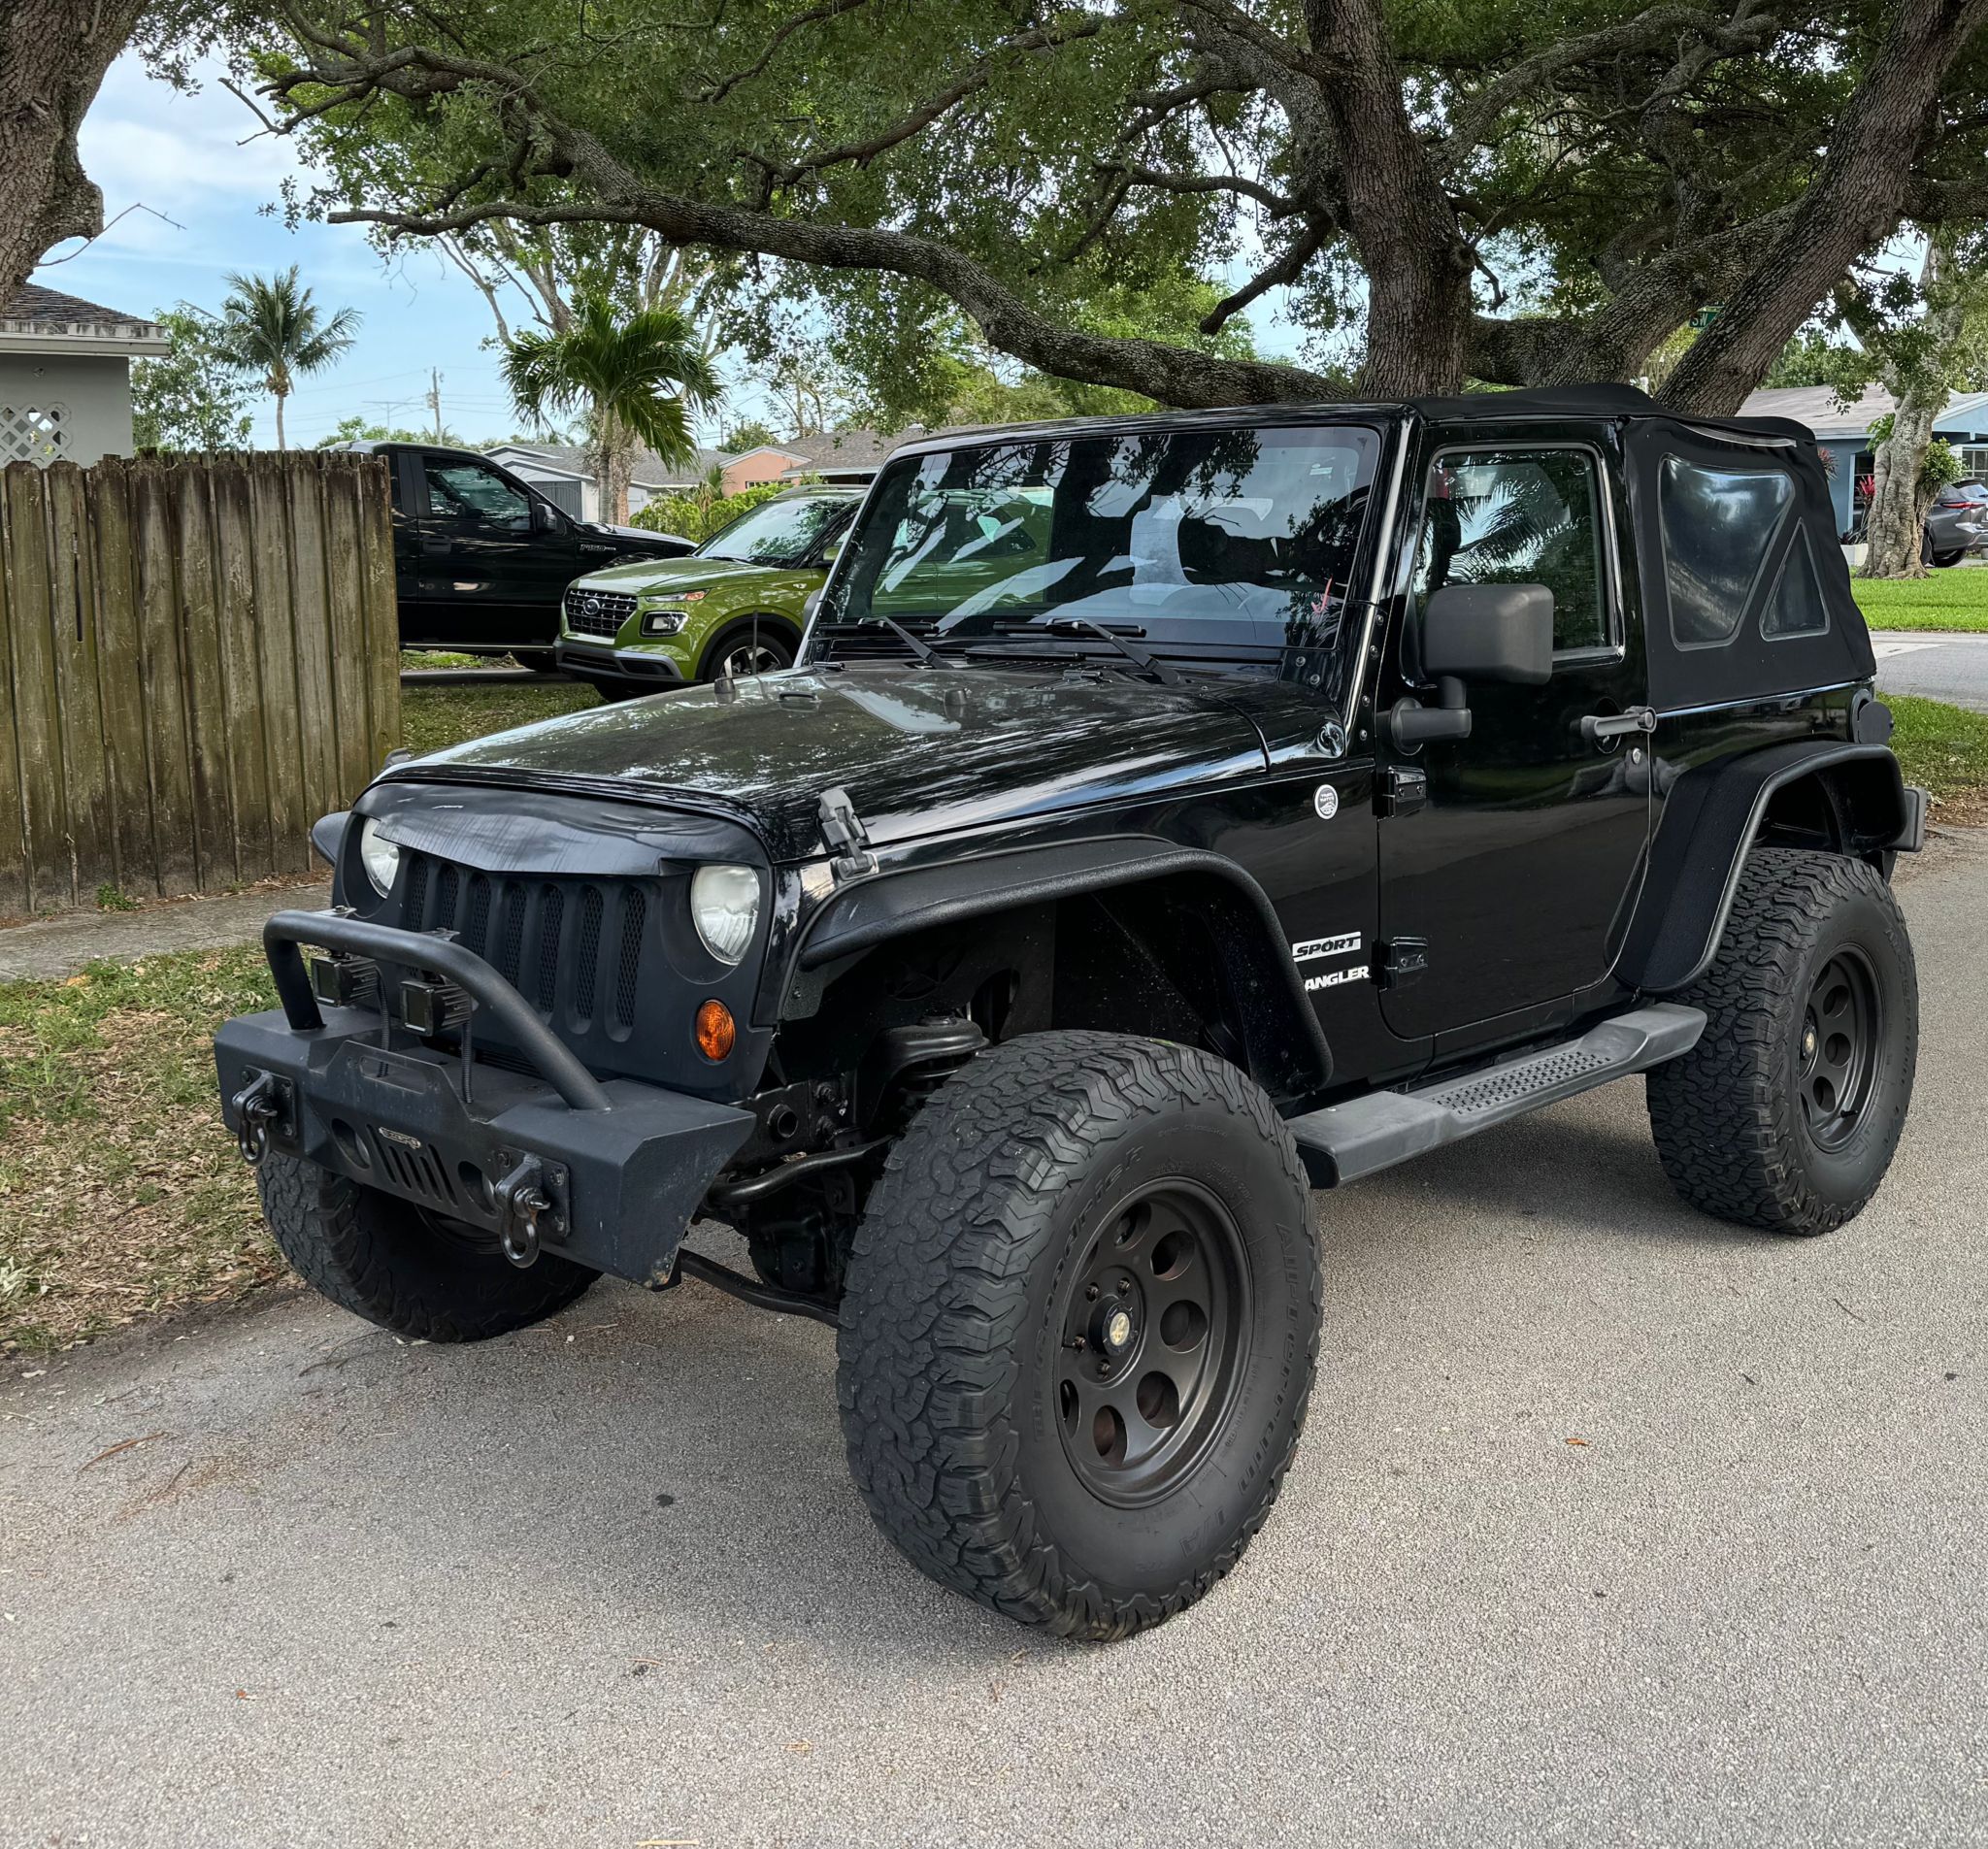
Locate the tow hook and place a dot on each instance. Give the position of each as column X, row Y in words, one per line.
column 261, row 1105
column 523, row 1200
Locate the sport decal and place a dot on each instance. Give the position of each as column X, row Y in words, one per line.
column 1308, row 949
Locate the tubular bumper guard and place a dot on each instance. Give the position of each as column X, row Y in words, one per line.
column 607, row 1173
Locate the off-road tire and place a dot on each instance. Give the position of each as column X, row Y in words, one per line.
column 1007, row 1183
column 1727, row 1116
column 377, row 1257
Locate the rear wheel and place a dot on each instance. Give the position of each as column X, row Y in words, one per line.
column 538, row 661
column 385, row 1260
column 1786, row 1113
column 748, row 649
column 1948, row 558
column 1081, row 1318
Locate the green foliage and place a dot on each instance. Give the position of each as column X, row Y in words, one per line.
column 749, row 435
column 361, row 430
column 195, row 397
column 1815, row 357
column 636, row 375
column 699, row 514
column 270, row 326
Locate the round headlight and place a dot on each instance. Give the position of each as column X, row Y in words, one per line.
column 724, row 905
column 379, row 857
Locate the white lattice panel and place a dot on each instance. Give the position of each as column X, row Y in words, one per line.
column 33, row 433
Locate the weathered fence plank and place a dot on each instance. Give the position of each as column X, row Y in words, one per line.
column 121, row 692
column 50, row 872
column 197, row 658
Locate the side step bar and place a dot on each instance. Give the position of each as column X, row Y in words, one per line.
column 1366, row 1135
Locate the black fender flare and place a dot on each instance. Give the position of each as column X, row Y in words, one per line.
column 1713, row 815
column 1288, row 1046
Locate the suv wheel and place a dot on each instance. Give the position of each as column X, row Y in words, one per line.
column 1786, row 1113
column 1082, row 1313
column 746, row 650
column 383, row 1258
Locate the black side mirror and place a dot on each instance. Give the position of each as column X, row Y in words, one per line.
column 1501, row 633
column 546, row 518
column 1497, row 633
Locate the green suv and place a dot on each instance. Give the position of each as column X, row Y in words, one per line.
column 733, row 607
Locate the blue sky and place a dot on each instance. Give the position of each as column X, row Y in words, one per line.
column 199, row 161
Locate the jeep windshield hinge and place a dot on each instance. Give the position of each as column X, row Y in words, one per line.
column 842, row 827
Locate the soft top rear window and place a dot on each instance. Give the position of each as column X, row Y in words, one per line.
column 1720, row 527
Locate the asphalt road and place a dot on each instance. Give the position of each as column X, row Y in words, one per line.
column 280, row 1581
column 1952, row 668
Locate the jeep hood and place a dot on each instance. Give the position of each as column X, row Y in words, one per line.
column 675, row 573
column 919, row 750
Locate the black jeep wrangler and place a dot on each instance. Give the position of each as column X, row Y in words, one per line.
column 1167, row 816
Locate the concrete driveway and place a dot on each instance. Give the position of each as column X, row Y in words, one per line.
column 1938, row 667
column 1612, row 1524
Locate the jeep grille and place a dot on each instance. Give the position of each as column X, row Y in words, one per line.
column 576, row 950
column 590, row 612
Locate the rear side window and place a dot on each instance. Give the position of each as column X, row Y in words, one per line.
column 1719, row 529
column 1520, row 516
column 1795, row 606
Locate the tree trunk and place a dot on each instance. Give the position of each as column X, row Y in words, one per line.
column 1896, row 523
column 280, row 442
column 1854, row 203
column 52, row 57
column 610, row 454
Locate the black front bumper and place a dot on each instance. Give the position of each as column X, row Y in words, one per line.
column 603, row 661
column 621, row 1166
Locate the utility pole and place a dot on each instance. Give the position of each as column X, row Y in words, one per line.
column 435, row 399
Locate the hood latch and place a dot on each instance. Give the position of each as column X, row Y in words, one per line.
column 842, row 827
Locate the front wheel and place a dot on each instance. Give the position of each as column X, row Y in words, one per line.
column 1077, row 1336
column 751, row 648
column 386, row 1260
column 1786, row 1113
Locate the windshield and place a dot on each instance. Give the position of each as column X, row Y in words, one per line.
column 1197, row 537
column 779, row 532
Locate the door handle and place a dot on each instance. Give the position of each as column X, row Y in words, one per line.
column 1598, row 727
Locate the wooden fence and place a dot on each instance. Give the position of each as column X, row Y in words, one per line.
column 198, row 658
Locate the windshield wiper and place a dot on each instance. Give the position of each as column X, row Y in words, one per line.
column 1166, row 675
column 916, row 643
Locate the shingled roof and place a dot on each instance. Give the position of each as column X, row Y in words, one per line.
column 36, row 317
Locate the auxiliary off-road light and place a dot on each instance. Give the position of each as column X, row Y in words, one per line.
column 716, row 1032
column 346, row 981
column 432, row 1007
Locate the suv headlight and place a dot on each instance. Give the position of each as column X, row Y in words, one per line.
column 379, row 857
column 725, row 905
column 662, row 622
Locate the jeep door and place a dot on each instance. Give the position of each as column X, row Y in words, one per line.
column 1511, row 857
column 490, row 569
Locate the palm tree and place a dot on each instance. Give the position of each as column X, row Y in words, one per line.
column 634, row 379
column 272, row 326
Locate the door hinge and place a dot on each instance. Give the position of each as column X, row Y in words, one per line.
column 1400, row 961
column 1399, row 791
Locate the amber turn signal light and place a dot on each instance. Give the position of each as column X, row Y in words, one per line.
column 715, row 1030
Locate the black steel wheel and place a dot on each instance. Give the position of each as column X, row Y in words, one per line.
column 1837, row 1054
column 1786, row 1113
column 1155, row 1331
column 1081, row 1316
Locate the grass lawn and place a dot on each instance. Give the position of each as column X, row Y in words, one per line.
column 1956, row 599
column 1944, row 749
column 431, row 717
column 120, row 1194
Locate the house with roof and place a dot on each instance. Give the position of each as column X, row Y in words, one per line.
column 65, row 375
column 1844, row 433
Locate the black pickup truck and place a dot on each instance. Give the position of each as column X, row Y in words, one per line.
column 1167, row 816
column 482, row 558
